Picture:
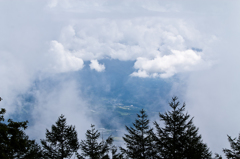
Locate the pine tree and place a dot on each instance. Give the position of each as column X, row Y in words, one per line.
column 91, row 148
column 14, row 143
column 139, row 140
column 61, row 142
column 217, row 156
column 115, row 154
column 179, row 138
column 235, row 146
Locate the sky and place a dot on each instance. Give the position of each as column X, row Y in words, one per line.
column 86, row 58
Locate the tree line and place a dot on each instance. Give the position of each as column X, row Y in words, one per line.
column 174, row 136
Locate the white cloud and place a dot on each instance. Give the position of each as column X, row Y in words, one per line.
column 64, row 61
column 135, row 39
column 96, row 66
column 140, row 73
column 15, row 79
column 51, row 103
column 167, row 65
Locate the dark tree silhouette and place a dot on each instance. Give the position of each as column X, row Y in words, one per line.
column 179, row 138
column 115, row 154
column 61, row 142
column 139, row 140
column 14, row 143
column 234, row 152
column 217, row 156
column 91, row 148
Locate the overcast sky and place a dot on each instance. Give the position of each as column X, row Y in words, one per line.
column 49, row 50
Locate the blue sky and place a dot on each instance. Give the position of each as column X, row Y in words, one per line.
column 78, row 57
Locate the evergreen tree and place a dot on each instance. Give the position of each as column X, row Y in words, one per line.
column 179, row 138
column 14, row 143
column 139, row 140
column 61, row 142
column 115, row 154
column 217, row 156
column 235, row 146
column 91, row 148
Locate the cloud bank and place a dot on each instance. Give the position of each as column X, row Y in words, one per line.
column 132, row 38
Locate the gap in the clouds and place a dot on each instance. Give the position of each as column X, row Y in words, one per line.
column 113, row 95
column 117, row 96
